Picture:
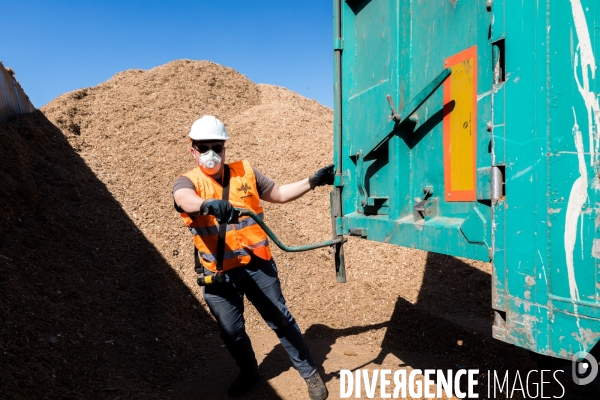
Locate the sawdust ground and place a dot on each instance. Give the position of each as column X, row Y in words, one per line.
column 92, row 250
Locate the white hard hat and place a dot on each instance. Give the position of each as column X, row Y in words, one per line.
column 208, row 128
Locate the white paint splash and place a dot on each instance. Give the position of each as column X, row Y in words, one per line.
column 482, row 95
column 581, row 233
column 543, row 267
column 577, row 199
column 520, row 173
column 526, row 170
column 588, row 66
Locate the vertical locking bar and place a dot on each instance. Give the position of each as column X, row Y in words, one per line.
column 336, row 209
column 360, row 181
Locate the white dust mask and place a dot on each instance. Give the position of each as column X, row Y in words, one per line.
column 209, row 162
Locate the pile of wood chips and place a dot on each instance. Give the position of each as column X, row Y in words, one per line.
column 97, row 286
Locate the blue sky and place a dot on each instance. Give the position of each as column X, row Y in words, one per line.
column 62, row 45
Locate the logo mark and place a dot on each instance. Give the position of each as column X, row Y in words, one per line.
column 584, row 368
column 244, row 188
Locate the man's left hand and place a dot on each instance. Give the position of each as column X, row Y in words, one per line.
column 324, row 176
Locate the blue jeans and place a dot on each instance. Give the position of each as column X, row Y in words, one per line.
column 259, row 282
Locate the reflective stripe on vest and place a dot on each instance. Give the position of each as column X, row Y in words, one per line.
column 237, row 253
column 263, row 243
column 226, row 256
column 214, row 230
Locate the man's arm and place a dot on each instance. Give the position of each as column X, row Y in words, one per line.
column 285, row 193
column 291, row 191
column 188, row 201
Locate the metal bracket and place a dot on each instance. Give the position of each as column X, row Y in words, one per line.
column 362, row 232
column 377, row 205
column 360, row 179
column 339, row 226
column 426, row 209
column 377, row 201
column 397, row 117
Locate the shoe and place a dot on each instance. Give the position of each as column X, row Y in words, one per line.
column 243, row 383
column 316, row 388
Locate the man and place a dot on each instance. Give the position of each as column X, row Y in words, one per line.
column 235, row 254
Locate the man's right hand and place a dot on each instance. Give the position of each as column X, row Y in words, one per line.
column 222, row 210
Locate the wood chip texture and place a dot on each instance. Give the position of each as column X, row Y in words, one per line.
column 97, row 286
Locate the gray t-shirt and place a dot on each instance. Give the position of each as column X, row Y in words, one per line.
column 263, row 184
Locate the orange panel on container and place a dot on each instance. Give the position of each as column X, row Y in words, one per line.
column 460, row 135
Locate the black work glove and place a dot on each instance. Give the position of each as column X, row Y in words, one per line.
column 222, row 210
column 324, row 176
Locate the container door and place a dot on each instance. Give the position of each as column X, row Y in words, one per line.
column 546, row 285
column 423, row 180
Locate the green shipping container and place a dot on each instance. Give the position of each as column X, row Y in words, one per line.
column 471, row 128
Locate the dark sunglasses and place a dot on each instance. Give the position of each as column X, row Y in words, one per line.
column 203, row 148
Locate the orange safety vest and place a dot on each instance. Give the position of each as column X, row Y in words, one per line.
column 242, row 238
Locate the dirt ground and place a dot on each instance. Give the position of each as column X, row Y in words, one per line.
column 97, row 289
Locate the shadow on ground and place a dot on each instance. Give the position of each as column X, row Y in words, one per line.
column 454, row 305
column 89, row 308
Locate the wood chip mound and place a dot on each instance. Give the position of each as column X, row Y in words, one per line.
column 98, row 290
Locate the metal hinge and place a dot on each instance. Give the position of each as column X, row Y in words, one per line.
column 338, row 44
column 490, row 183
column 497, row 183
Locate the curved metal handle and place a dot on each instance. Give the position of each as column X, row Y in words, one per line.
column 244, row 212
column 409, row 109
